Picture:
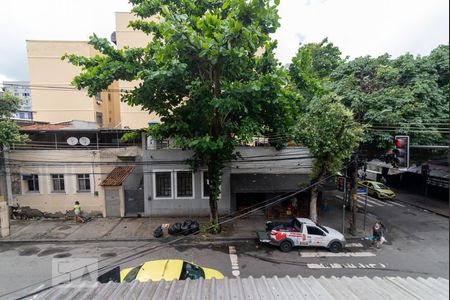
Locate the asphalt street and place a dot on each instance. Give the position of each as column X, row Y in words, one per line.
column 418, row 245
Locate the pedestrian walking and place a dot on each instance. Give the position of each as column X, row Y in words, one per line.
column 377, row 234
column 77, row 212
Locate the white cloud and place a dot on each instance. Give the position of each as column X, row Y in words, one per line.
column 364, row 27
column 358, row 27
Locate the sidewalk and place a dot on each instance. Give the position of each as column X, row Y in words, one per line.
column 439, row 207
column 141, row 229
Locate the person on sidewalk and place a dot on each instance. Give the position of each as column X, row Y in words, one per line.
column 77, row 212
column 377, row 234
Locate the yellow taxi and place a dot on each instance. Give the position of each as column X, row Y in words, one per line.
column 168, row 269
column 377, row 189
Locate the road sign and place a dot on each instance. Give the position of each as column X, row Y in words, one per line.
column 361, row 191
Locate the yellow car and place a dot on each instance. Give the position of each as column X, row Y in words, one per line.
column 377, row 189
column 168, row 269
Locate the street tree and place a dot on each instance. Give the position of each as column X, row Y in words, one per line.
column 325, row 125
column 9, row 130
column 329, row 131
column 209, row 72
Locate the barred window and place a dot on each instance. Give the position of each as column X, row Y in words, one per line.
column 184, row 184
column 163, row 184
column 32, row 181
column 84, row 183
column 58, row 182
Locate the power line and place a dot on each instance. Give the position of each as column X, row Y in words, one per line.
column 156, row 248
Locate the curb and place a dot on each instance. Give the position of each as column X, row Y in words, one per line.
column 49, row 241
column 421, row 207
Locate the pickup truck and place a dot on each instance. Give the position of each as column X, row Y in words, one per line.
column 301, row 232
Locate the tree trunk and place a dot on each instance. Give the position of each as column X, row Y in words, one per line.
column 214, row 180
column 313, row 204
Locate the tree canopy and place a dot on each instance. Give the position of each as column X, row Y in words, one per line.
column 9, row 130
column 209, row 72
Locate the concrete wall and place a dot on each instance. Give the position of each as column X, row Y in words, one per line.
column 70, row 163
column 291, row 167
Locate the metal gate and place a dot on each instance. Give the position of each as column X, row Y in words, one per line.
column 112, row 203
column 134, row 202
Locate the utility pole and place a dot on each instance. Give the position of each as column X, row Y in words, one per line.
column 353, row 174
column 6, row 193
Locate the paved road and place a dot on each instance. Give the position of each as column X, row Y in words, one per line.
column 417, row 246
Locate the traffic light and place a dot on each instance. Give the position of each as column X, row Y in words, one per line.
column 401, row 151
column 341, row 183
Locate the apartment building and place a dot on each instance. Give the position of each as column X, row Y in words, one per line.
column 56, row 100
column 21, row 90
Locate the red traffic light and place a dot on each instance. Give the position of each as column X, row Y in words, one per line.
column 399, row 143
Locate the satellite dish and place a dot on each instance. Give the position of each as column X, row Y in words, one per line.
column 72, row 141
column 85, row 141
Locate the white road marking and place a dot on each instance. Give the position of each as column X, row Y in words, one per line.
column 346, row 266
column 397, row 204
column 234, row 261
column 370, row 201
column 354, row 245
column 363, row 204
column 340, row 254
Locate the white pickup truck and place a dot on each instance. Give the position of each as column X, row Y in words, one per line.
column 301, row 232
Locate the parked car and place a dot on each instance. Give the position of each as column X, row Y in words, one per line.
column 302, row 232
column 156, row 270
column 377, row 189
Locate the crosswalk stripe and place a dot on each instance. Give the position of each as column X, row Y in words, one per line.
column 397, row 204
column 375, row 202
column 380, row 201
column 362, row 203
column 340, row 254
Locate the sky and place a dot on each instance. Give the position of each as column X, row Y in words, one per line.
column 357, row 27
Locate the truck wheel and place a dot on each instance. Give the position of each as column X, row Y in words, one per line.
column 335, row 247
column 285, row 246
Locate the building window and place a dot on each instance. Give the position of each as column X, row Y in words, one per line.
column 32, row 182
column 84, row 183
column 58, row 182
column 99, row 118
column 98, row 97
column 205, row 184
column 109, row 97
column 163, row 184
column 185, row 187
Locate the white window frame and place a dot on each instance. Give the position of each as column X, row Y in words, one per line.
column 176, row 183
column 53, row 186
column 172, row 188
column 25, row 184
column 78, row 183
column 202, row 187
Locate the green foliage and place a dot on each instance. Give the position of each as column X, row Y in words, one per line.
column 9, row 130
column 328, row 130
column 209, row 73
column 312, row 65
column 406, row 95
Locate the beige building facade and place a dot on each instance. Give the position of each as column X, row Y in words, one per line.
column 56, row 100
column 50, row 181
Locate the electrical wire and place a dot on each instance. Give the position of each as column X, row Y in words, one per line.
column 156, row 248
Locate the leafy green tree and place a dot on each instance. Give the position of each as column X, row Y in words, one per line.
column 328, row 130
column 325, row 125
column 9, row 130
column 208, row 72
column 406, row 95
column 312, row 65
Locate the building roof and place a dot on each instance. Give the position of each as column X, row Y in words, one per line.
column 117, row 176
column 259, row 288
